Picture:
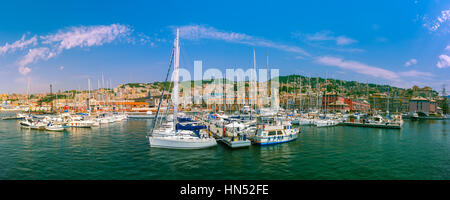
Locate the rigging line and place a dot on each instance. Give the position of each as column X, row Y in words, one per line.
column 168, row 104
column 164, row 96
column 160, row 99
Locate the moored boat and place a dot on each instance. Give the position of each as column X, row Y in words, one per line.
column 273, row 132
column 172, row 138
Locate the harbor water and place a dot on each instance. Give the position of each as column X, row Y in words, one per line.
column 420, row 150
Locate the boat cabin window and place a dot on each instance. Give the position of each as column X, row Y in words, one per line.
column 272, row 133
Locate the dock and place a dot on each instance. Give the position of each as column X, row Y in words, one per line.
column 142, row 116
column 235, row 143
column 12, row 118
column 372, row 125
column 219, row 134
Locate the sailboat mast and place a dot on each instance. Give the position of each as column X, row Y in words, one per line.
column 254, row 76
column 175, row 81
column 268, row 77
column 89, row 95
column 387, row 110
column 98, row 94
column 317, row 92
column 326, row 90
column 111, row 103
column 300, row 95
column 295, row 91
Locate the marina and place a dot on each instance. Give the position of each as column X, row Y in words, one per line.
column 120, row 151
column 138, row 93
column 264, row 136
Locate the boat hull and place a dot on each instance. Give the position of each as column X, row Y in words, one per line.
column 54, row 129
column 174, row 142
column 274, row 139
column 80, row 125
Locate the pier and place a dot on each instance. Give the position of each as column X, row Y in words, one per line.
column 372, row 125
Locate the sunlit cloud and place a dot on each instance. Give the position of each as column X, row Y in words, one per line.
column 54, row 44
column 358, row 67
column 86, row 36
column 444, row 61
column 19, row 44
column 316, row 40
column 411, row 62
column 434, row 25
column 328, row 36
column 415, row 73
column 33, row 55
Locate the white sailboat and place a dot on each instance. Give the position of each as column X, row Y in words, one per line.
column 170, row 137
column 51, row 126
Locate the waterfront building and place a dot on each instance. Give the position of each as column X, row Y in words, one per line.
column 338, row 106
column 379, row 102
column 336, row 102
column 358, row 105
column 333, row 101
column 422, row 105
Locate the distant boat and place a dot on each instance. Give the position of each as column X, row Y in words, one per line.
column 18, row 116
column 326, row 122
column 32, row 124
column 415, row 116
column 54, row 127
column 80, row 124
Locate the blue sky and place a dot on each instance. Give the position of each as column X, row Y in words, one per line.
column 402, row 43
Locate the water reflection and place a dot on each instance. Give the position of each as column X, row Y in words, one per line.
column 444, row 128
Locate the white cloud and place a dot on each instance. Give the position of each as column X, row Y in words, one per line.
column 33, row 56
column 86, row 36
column 444, row 61
column 434, row 25
column 152, row 41
column 61, row 67
column 447, row 48
column 328, row 36
column 414, row 73
column 342, row 40
column 82, row 36
column 358, row 67
column 196, row 32
column 320, row 36
column 19, row 44
column 411, row 62
column 299, row 57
